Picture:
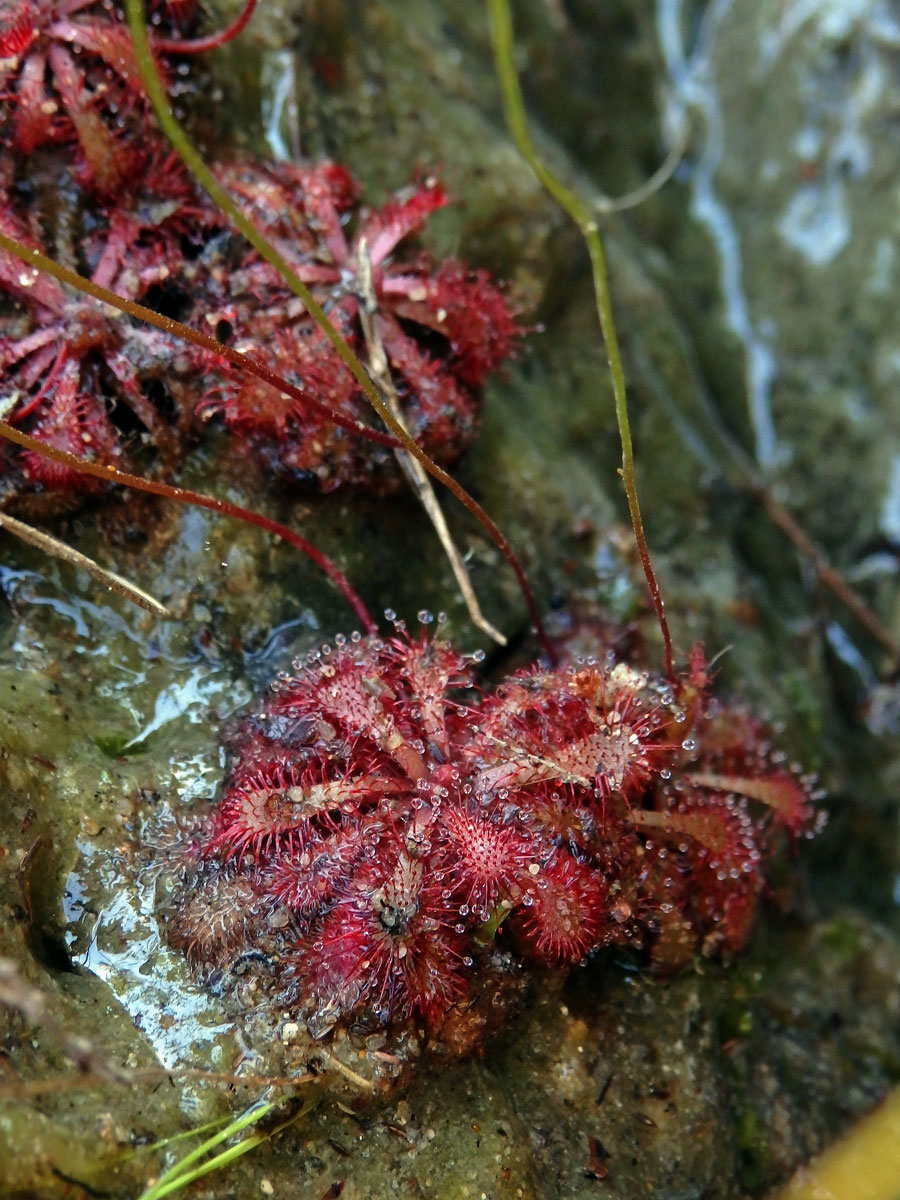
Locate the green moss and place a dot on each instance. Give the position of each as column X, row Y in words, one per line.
column 843, row 937
column 752, row 1143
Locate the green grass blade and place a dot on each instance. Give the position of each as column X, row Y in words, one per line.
column 571, row 203
column 180, row 1174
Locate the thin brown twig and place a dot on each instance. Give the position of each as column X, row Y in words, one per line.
column 415, row 473
column 58, row 549
column 170, row 491
column 334, row 1064
column 825, row 572
column 27, row 1089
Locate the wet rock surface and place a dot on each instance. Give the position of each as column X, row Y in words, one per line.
column 713, row 1083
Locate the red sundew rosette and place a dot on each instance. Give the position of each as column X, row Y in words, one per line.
column 484, row 852
column 563, row 916
column 68, row 75
column 591, row 733
column 391, row 946
column 443, row 328
column 82, row 375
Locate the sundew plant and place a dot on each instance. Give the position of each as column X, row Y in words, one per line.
column 408, row 843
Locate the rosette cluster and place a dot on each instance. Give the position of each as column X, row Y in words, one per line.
column 87, row 179
column 385, row 829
